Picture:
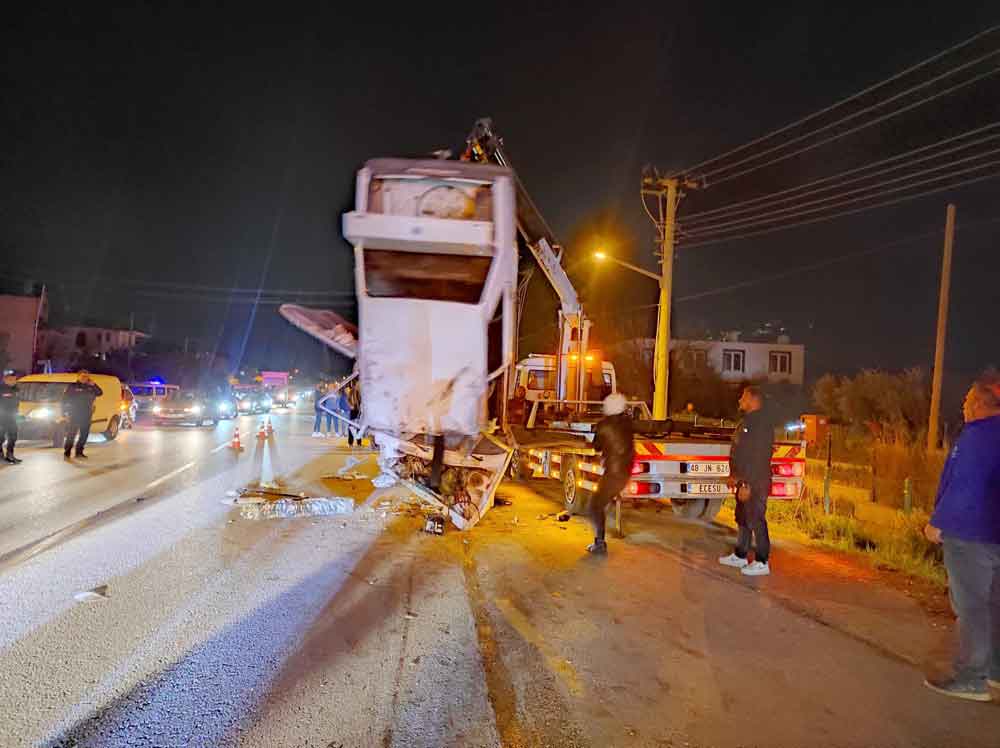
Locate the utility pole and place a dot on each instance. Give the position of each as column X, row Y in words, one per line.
column 933, row 424
column 668, row 194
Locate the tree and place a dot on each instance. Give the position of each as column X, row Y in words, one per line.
column 891, row 407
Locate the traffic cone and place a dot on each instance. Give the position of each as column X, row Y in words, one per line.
column 261, row 436
column 269, row 429
column 235, row 443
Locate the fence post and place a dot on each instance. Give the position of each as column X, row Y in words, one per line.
column 829, row 470
column 907, row 495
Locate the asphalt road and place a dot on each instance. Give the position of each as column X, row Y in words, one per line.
column 213, row 629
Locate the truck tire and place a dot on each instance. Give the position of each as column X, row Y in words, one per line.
column 574, row 496
column 688, row 508
column 712, row 509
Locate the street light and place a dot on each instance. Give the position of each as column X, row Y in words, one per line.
column 660, row 371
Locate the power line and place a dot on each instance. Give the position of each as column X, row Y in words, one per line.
column 864, row 126
column 852, row 97
column 797, row 210
column 736, row 207
column 854, row 211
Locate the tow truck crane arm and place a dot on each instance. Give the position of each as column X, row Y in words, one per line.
column 485, row 146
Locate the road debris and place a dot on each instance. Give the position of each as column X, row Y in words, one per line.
column 286, row 508
column 89, row 596
column 434, row 525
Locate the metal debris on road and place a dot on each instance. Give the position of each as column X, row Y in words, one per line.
column 286, row 508
column 435, row 524
column 88, row 596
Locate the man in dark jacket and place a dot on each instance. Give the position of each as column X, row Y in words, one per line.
column 9, row 401
column 750, row 468
column 78, row 407
column 966, row 521
column 614, row 440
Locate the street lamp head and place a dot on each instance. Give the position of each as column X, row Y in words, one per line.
column 599, row 255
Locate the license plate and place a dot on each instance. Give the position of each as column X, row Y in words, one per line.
column 708, row 468
column 707, row 488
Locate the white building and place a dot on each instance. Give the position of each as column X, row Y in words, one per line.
column 735, row 360
column 87, row 341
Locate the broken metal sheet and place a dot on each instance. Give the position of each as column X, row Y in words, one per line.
column 324, row 325
column 290, row 508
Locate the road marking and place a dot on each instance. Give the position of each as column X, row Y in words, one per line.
column 558, row 665
column 219, row 448
column 171, row 474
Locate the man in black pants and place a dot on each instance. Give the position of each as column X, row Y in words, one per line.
column 78, row 406
column 614, row 440
column 750, row 467
column 9, row 401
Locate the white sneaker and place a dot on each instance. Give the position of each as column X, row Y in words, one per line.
column 756, row 569
column 733, row 560
column 318, row 434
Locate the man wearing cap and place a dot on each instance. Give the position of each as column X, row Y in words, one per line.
column 614, row 440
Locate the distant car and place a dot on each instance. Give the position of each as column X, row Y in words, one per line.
column 252, row 401
column 193, row 408
column 226, row 406
column 149, row 394
column 129, row 407
column 284, row 397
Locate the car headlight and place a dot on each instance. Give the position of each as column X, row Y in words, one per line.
column 196, row 409
column 157, row 409
column 41, row 414
column 223, row 407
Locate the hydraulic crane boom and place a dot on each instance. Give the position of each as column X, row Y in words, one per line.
column 485, row 146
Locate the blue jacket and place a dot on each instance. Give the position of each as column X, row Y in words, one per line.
column 968, row 499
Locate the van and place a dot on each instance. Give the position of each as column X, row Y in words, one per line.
column 537, row 374
column 150, row 394
column 41, row 406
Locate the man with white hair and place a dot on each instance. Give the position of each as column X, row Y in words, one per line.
column 614, row 440
column 966, row 521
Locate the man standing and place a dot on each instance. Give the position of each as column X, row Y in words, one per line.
column 966, row 521
column 614, row 440
column 750, row 471
column 9, row 401
column 318, row 394
column 78, row 407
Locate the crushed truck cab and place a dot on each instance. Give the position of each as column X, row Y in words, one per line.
column 435, row 256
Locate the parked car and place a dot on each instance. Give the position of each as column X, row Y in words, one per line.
column 148, row 394
column 41, row 406
column 129, row 407
column 185, row 407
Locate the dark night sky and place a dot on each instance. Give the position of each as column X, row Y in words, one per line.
column 217, row 148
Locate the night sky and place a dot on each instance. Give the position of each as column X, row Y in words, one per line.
column 153, row 156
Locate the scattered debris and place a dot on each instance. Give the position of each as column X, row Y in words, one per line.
column 563, row 517
column 435, row 524
column 88, row 596
column 295, row 507
column 499, row 501
column 410, row 615
column 140, row 498
column 384, row 480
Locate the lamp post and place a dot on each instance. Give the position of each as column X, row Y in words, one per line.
column 662, row 355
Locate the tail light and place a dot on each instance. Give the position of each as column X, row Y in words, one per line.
column 638, row 468
column 787, row 469
column 643, row 488
column 779, row 489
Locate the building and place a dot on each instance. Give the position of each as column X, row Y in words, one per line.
column 86, row 341
column 774, row 360
column 21, row 319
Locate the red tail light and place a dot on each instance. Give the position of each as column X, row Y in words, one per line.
column 643, row 488
column 638, row 468
column 779, row 489
column 787, row 469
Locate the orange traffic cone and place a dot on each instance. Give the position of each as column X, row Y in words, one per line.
column 269, row 429
column 235, row 443
column 260, row 432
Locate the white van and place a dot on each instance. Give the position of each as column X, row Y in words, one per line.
column 537, row 374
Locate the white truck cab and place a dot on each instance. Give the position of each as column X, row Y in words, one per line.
column 537, row 374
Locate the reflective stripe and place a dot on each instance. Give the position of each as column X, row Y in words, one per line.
column 589, row 485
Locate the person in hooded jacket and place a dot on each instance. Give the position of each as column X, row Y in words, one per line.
column 614, row 440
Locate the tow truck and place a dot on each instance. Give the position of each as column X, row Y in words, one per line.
column 683, row 463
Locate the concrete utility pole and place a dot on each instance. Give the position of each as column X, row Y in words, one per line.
column 933, row 423
column 667, row 191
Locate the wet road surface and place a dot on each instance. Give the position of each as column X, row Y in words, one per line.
column 360, row 630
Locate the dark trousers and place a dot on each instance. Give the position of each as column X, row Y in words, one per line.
column 77, row 425
column 8, row 432
column 355, row 412
column 751, row 520
column 974, row 588
column 610, row 485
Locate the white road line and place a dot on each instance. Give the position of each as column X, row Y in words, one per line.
column 171, row 474
column 219, row 448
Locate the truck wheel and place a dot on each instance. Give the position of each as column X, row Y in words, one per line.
column 517, row 470
column 111, row 432
column 688, row 508
column 712, row 509
column 574, row 496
